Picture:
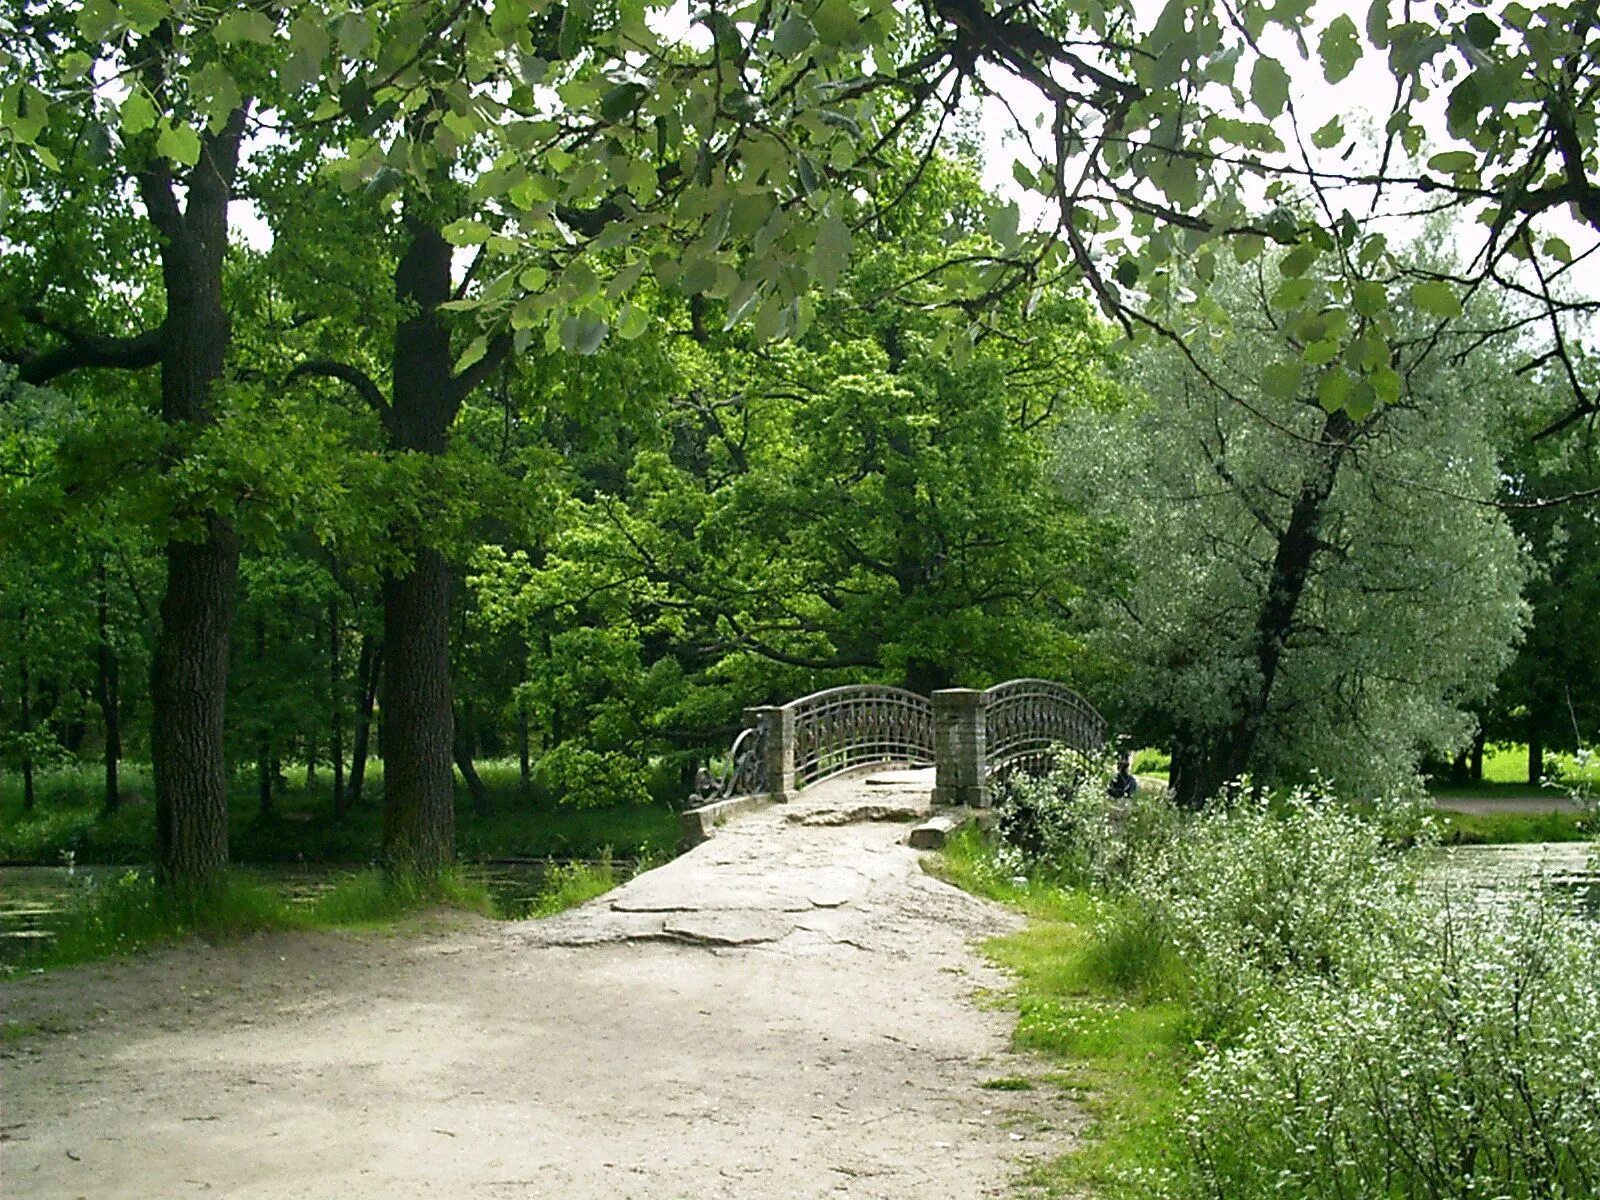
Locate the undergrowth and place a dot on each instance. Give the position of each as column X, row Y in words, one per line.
column 1270, row 1001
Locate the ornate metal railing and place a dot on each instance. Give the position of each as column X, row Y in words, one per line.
column 742, row 773
column 1029, row 723
column 856, row 726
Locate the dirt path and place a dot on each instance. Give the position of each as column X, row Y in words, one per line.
column 787, row 1011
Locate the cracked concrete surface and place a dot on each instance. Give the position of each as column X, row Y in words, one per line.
column 786, row 1011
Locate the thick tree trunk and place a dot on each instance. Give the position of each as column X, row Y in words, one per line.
column 187, row 685
column 368, row 667
column 418, row 789
column 190, row 670
column 1535, row 760
column 336, row 711
column 108, row 689
column 418, row 721
column 1210, row 768
column 1475, row 763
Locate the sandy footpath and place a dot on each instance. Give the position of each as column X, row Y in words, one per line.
column 791, row 1010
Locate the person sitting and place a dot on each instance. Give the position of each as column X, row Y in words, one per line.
column 1123, row 784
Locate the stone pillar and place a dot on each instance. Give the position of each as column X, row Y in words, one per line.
column 778, row 748
column 958, row 747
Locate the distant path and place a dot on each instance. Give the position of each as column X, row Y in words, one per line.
column 1529, row 805
column 786, row 1011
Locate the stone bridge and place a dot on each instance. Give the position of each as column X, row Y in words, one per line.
column 970, row 739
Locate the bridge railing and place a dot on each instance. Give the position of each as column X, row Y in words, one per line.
column 974, row 739
column 1030, row 723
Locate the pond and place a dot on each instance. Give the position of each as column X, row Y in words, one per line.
column 1566, row 871
column 32, row 899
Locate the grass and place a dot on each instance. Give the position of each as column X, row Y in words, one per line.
column 131, row 913
column 68, row 819
column 1495, row 829
column 1098, row 997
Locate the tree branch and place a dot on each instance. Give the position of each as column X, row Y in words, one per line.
column 354, row 376
column 84, row 350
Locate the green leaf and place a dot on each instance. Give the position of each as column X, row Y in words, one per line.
column 1292, row 293
column 1340, row 48
column 220, row 93
column 1330, row 135
column 137, row 114
column 1370, row 298
column 466, row 232
column 1481, row 31
column 1281, row 379
column 476, row 349
column 836, row 22
column 793, row 35
column 1558, row 249
column 1453, row 161
column 582, row 333
column 1333, row 388
column 179, row 143
column 1320, row 354
column 632, row 321
column 832, row 250
column 621, row 101
column 1386, row 384
column 1437, row 298
column 243, row 25
column 1127, row 272
column 1269, row 86
column 1298, row 261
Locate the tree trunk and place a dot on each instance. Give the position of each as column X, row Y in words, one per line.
column 463, row 754
column 312, row 751
column 108, row 690
column 368, row 667
column 27, row 711
column 336, row 711
column 1475, row 764
column 1211, row 768
column 190, row 670
column 1535, row 760
column 418, row 789
column 418, row 721
column 187, row 686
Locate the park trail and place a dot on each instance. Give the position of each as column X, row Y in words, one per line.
column 792, row 1009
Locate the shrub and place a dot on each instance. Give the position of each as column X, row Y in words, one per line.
column 1465, row 1066
column 591, row 778
column 1254, row 898
column 1067, row 824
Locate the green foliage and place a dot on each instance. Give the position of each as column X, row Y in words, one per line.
column 68, row 819
column 1391, row 1045
column 571, row 884
column 1461, row 1066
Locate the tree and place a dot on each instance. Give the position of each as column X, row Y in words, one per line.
column 1306, row 593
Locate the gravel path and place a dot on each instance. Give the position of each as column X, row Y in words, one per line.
column 787, row 1011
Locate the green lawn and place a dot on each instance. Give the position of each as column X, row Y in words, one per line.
column 1100, row 1007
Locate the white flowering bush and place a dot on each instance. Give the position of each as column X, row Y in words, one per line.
column 1254, row 898
column 1067, row 825
column 1465, row 1065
